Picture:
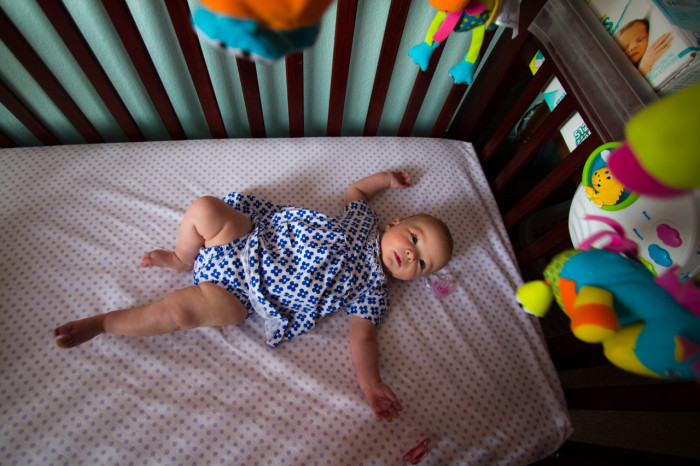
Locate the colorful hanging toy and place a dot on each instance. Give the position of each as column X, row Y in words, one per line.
column 457, row 16
column 258, row 29
column 647, row 325
column 661, row 154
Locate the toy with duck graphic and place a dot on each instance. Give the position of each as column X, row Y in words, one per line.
column 648, row 184
column 647, row 325
column 645, row 311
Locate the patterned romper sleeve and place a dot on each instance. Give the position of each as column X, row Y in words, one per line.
column 373, row 302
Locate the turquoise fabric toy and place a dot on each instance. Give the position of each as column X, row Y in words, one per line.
column 456, row 16
column 265, row 31
column 647, row 325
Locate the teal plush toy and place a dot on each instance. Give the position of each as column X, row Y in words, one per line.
column 647, row 325
column 260, row 30
column 457, row 16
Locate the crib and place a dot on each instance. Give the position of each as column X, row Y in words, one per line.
column 101, row 157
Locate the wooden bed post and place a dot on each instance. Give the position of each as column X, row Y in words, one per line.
column 189, row 45
column 20, row 48
column 342, row 48
column 120, row 15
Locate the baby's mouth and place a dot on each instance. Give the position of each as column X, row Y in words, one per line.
column 398, row 259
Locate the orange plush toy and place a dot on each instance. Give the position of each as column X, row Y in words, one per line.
column 259, row 29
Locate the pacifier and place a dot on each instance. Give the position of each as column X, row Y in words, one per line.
column 441, row 284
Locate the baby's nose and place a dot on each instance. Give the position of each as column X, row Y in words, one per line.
column 409, row 255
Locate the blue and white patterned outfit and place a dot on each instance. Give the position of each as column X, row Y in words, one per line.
column 298, row 266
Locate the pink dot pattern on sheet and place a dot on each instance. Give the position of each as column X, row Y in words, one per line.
column 471, row 370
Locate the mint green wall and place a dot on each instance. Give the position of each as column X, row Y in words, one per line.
column 153, row 21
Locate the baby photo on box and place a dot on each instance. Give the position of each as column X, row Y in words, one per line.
column 659, row 49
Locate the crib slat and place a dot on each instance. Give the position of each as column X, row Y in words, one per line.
column 251, row 96
column 516, row 112
column 26, row 116
column 454, row 98
column 683, row 397
column 125, row 25
column 73, row 39
column 5, row 141
column 584, row 453
column 342, row 48
column 514, row 72
column 549, row 241
column 568, row 352
column 529, row 149
column 562, row 172
column 420, row 88
column 448, row 109
column 294, row 65
column 500, row 64
column 393, row 31
column 26, row 55
column 189, row 45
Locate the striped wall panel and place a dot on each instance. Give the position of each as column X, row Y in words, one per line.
column 135, row 40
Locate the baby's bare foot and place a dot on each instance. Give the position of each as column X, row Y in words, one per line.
column 162, row 258
column 79, row 331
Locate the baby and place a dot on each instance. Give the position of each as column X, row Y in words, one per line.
column 290, row 266
column 634, row 40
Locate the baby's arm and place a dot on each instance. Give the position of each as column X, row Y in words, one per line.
column 367, row 188
column 653, row 53
column 365, row 358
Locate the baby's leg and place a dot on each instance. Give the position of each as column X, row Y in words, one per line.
column 208, row 222
column 203, row 305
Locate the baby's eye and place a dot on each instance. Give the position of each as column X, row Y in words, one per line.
column 414, row 237
column 422, row 264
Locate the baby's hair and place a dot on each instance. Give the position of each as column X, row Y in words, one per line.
column 633, row 22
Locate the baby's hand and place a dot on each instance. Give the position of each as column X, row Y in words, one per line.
column 653, row 53
column 383, row 402
column 399, row 180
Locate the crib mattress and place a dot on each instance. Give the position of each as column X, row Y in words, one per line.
column 471, row 369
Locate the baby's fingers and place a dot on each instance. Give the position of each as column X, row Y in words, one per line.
column 402, row 178
column 388, row 414
column 663, row 42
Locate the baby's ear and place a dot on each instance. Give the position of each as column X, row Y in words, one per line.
column 391, row 224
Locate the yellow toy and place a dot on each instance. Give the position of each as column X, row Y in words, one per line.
column 661, row 154
column 606, row 190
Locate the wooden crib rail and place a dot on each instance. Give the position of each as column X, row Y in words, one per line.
column 599, row 82
column 22, row 50
column 161, row 96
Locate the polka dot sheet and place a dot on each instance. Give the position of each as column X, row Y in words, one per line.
column 471, row 370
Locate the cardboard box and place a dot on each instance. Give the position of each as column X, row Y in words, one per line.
column 575, row 130
column 650, row 32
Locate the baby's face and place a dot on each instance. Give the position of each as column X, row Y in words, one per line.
column 634, row 41
column 413, row 247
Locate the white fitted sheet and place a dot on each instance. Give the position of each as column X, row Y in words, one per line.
column 471, row 370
